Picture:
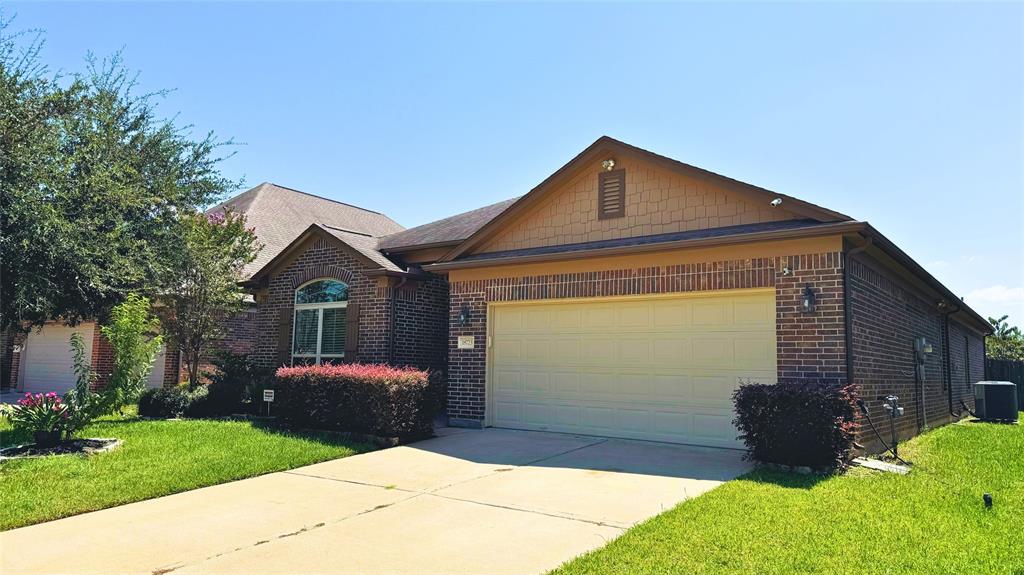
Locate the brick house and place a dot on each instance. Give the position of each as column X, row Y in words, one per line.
column 626, row 295
column 40, row 361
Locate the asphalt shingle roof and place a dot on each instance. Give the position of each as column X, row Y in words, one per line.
column 451, row 229
column 281, row 214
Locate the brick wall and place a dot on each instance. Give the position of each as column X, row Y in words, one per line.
column 887, row 315
column 323, row 258
column 810, row 346
column 11, row 359
column 239, row 337
column 102, row 359
column 421, row 324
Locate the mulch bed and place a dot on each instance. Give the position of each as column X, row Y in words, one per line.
column 89, row 446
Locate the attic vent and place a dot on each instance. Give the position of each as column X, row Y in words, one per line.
column 611, row 194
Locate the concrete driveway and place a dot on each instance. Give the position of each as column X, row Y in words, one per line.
column 491, row 501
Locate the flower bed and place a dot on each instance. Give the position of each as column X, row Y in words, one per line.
column 372, row 399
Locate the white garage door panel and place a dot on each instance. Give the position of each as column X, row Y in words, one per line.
column 661, row 369
column 48, row 363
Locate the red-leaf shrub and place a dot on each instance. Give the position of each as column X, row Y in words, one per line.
column 798, row 424
column 361, row 398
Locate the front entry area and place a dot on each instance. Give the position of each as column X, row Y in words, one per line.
column 659, row 368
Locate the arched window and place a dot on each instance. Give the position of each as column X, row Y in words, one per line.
column 319, row 328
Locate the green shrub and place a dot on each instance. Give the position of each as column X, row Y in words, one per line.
column 174, row 402
column 235, row 383
column 373, row 399
column 798, row 424
column 133, row 338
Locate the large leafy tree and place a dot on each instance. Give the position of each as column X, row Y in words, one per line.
column 92, row 186
column 1006, row 342
column 200, row 283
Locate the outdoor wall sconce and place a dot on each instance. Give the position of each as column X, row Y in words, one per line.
column 608, row 165
column 810, row 301
column 464, row 315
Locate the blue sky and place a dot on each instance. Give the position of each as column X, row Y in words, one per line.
column 909, row 116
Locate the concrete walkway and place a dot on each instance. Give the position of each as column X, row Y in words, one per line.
column 491, row 501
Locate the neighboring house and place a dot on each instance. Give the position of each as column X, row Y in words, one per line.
column 627, row 295
column 41, row 360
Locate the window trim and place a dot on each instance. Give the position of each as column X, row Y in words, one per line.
column 318, row 357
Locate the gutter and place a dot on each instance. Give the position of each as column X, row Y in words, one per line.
column 391, row 331
column 848, row 307
column 948, row 352
column 813, row 231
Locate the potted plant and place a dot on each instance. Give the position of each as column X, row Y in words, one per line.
column 44, row 415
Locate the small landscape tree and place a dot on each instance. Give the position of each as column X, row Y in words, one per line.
column 1005, row 342
column 200, row 284
column 135, row 342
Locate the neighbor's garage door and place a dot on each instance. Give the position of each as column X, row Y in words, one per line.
column 47, row 361
column 661, row 369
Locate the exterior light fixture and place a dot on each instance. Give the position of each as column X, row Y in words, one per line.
column 776, row 202
column 464, row 315
column 608, row 165
column 810, row 301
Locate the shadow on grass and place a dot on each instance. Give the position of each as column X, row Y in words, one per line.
column 332, row 438
column 786, row 479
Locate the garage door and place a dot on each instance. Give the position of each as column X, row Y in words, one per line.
column 662, row 368
column 47, row 361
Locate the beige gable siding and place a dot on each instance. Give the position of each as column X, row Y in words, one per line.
column 657, row 201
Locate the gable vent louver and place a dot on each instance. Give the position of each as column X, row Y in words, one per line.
column 611, row 194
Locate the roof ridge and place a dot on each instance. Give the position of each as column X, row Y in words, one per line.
column 326, row 199
column 348, row 231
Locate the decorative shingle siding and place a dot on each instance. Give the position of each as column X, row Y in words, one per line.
column 810, row 346
column 656, row 201
column 887, row 315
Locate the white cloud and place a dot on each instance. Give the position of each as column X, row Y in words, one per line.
column 996, row 294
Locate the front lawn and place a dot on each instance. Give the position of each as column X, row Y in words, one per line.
column 157, row 458
column 930, row 521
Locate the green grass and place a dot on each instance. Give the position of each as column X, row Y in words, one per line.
column 930, row 521
column 157, row 458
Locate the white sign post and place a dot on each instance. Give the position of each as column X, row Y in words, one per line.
column 268, row 397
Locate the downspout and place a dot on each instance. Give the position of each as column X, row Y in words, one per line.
column 949, row 360
column 393, row 320
column 848, row 308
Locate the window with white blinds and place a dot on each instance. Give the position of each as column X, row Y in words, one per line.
column 319, row 326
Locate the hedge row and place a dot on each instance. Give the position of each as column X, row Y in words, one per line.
column 360, row 398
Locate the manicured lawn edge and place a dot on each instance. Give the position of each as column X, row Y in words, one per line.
column 157, row 458
column 770, row 522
